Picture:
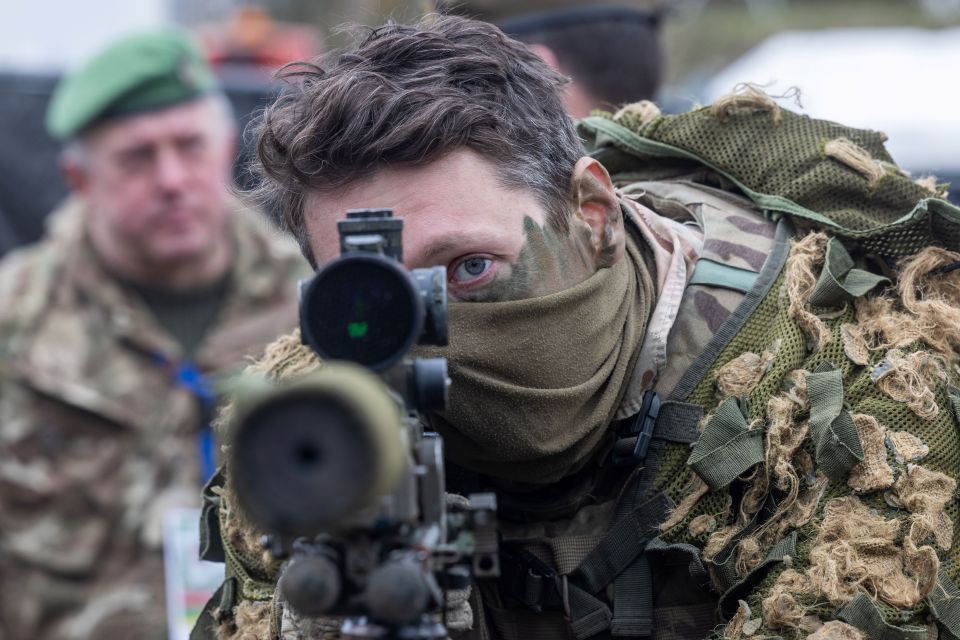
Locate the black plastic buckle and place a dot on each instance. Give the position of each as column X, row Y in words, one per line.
column 530, row 580
column 639, row 429
column 947, row 268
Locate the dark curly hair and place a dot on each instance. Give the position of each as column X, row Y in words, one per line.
column 404, row 95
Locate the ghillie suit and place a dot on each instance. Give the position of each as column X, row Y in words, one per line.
column 803, row 462
column 821, row 492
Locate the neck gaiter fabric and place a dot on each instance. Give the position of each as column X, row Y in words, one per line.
column 536, row 382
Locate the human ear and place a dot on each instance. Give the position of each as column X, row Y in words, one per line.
column 596, row 204
column 74, row 175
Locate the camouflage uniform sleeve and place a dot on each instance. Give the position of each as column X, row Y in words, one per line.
column 22, row 293
column 15, row 297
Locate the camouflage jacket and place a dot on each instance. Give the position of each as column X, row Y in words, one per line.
column 96, row 437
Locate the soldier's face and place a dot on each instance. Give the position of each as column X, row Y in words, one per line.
column 494, row 242
column 156, row 184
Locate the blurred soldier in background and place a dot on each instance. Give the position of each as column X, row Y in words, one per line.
column 613, row 55
column 151, row 283
column 626, row 67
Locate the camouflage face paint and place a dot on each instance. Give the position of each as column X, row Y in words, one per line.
column 549, row 262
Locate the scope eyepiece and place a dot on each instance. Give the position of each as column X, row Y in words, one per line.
column 365, row 307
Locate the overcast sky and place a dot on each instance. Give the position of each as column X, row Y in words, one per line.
column 50, row 35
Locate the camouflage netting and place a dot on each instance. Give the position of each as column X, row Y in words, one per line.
column 885, row 531
column 845, row 528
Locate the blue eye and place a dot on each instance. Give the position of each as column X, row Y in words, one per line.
column 471, row 268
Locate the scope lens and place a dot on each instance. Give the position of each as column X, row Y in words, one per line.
column 364, row 309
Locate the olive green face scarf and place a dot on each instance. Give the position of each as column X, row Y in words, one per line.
column 536, row 382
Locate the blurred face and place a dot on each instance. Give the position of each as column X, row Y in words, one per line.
column 577, row 101
column 155, row 185
column 494, row 242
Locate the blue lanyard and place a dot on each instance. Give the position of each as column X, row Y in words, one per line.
column 187, row 376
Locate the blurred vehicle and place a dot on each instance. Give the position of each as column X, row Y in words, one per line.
column 897, row 81
column 250, row 39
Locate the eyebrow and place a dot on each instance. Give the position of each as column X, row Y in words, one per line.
column 440, row 247
column 455, row 242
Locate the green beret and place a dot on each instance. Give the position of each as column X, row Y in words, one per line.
column 136, row 74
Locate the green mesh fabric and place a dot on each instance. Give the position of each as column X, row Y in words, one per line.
column 781, row 164
column 766, row 324
column 753, row 148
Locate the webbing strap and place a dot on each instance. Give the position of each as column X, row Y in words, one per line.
column 621, row 545
column 669, row 552
column 673, row 421
column 228, row 599
column 944, row 603
column 677, row 421
column 785, row 547
column 530, row 580
column 727, row 447
column 588, row 615
column 618, row 559
column 862, row 612
column 716, row 274
column 211, row 543
column 837, row 446
column 724, row 563
column 540, row 588
column 840, row 281
column 633, row 600
column 954, row 394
